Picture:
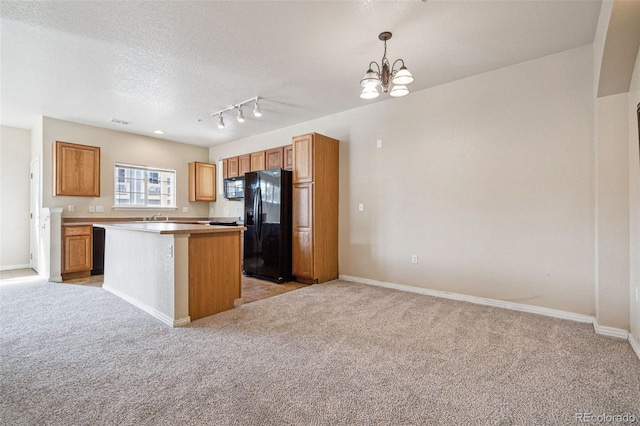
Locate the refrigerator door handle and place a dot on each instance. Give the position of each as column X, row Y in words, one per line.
column 259, row 212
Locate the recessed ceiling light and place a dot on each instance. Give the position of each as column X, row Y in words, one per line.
column 158, row 132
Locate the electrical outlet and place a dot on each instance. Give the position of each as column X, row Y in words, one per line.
column 414, row 258
column 72, row 208
column 379, row 143
column 99, row 209
column 185, row 210
column 92, row 209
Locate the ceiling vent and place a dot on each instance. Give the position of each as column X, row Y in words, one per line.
column 118, row 121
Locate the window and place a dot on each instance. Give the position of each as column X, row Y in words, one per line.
column 141, row 186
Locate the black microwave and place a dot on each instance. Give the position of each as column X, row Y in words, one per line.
column 234, row 188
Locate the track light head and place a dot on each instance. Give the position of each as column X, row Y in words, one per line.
column 257, row 112
column 240, row 116
column 221, row 122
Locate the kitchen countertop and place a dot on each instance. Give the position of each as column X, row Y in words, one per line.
column 161, row 227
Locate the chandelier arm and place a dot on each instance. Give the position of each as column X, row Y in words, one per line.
column 393, row 67
column 377, row 66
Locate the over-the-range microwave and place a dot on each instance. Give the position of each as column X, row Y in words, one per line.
column 234, row 188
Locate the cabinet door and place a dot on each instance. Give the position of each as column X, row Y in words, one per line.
column 244, row 164
column 225, row 168
column 232, row 167
column 274, row 158
column 303, row 159
column 257, row 161
column 302, row 243
column 77, row 170
column 202, row 182
column 288, row 157
column 78, row 249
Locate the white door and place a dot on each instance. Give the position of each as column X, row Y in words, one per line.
column 34, row 208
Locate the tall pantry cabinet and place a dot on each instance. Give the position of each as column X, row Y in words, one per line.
column 315, row 208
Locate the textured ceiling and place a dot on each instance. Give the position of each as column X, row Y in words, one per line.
column 169, row 65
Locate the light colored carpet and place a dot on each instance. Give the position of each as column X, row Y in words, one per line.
column 332, row 354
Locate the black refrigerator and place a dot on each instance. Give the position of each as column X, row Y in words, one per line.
column 267, row 217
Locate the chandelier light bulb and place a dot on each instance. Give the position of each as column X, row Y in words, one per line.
column 403, row 77
column 240, row 116
column 398, row 91
column 221, row 122
column 369, row 92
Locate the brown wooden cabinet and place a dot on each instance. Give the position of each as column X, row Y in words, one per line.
column 274, row 158
column 77, row 169
column 225, row 168
column 288, row 157
column 257, row 161
column 77, row 250
column 202, row 181
column 232, row 167
column 244, row 164
column 315, row 208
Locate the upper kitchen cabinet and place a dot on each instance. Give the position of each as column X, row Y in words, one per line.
column 257, row 161
column 225, row 168
column 202, row 181
column 288, row 157
column 315, row 208
column 244, row 164
column 274, row 158
column 77, row 169
column 232, row 167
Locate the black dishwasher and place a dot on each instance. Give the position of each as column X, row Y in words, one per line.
column 98, row 251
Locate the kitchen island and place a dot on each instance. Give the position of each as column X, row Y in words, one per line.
column 176, row 272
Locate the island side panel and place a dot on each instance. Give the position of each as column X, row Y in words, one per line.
column 140, row 268
column 214, row 273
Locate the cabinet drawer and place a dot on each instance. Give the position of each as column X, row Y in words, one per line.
column 77, row 230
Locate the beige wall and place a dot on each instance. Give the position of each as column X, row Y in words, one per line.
column 487, row 179
column 123, row 147
column 15, row 162
column 612, row 207
column 634, row 201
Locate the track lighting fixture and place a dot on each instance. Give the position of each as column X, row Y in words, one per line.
column 257, row 112
column 386, row 76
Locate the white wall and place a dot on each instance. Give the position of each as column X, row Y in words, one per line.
column 15, row 162
column 115, row 147
column 487, row 179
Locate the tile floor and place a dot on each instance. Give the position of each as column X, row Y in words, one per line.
column 252, row 288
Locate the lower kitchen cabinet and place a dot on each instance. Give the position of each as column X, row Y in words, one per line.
column 77, row 250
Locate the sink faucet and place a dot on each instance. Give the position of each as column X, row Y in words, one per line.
column 154, row 216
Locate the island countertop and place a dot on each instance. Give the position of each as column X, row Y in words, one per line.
column 161, row 227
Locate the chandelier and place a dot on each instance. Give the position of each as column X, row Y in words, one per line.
column 257, row 112
column 391, row 80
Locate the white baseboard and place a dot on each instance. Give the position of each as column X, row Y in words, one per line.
column 477, row 300
column 12, row 267
column 634, row 344
column 148, row 309
column 610, row 331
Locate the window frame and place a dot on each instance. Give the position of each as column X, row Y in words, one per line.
column 147, row 170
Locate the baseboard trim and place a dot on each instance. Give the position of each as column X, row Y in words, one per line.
column 477, row 300
column 634, row 344
column 12, row 267
column 610, row 331
column 148, row 309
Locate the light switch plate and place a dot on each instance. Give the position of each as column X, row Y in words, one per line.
column 379, row 143
column 99, row 209
column 92, row 209
column 360, row 207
